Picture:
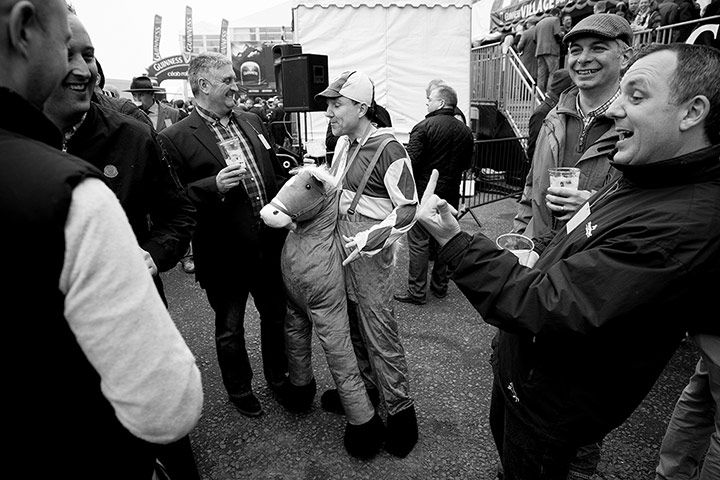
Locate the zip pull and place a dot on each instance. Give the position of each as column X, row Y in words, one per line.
column 511, row 387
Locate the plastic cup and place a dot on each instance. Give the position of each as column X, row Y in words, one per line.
column 518, row 244
column 566, row 177
column 231, row 152
column 316, row 150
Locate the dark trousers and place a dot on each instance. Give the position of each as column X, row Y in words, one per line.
column 524, row 454
column 228, row 302
column 178, row 460
column 421, row 248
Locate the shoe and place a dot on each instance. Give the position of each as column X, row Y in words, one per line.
column 248, row 405
column 364, row 441
column 408, row 299
column 439, row 294
column 330, row 400
column 188, row 265
column 402, row 432
column 296, row 399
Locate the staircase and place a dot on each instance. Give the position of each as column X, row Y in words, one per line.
column 501, row 78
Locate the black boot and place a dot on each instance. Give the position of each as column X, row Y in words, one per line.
column 364, row 441
column 296, row 399
column 330, row 400
column 402, row 432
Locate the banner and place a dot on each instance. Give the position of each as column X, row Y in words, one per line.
column 507, row 12
column 188, row 31
column 169, row 68
column 253, row 63
column 156, row 37
column 223, row 37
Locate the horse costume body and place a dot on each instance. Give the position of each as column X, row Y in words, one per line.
column 311, row 264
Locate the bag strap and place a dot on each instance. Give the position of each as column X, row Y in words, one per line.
column 368, row 172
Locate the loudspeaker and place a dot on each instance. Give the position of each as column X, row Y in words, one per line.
column 303, row 77
column 279, row 51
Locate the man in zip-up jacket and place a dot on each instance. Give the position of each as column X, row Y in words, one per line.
column 576, row 133
column 586, row 331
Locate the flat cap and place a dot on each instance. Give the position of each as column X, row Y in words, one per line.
column 604, row 25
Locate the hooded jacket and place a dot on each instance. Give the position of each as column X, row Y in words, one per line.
column 533, row 218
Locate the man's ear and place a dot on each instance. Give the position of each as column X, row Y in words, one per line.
column 22, row 25
column 625, row 57
column 697, row 110
column 363, row 110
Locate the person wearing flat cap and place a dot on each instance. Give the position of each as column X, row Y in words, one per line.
column 143, row 91
column 587, row 330
column 378, row 203
column 576, row 132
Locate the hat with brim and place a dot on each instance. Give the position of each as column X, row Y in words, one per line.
column 354, row 85
column 143, row 84
column 603, row 25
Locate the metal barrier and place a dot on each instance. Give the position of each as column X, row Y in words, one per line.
column 677, row 32
column 499, row 169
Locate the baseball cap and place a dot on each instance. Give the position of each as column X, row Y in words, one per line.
column 605, row 25
column 354, row 85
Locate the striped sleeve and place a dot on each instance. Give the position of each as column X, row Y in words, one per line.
column 400, row 185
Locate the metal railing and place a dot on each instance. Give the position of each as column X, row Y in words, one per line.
column 677, row 32
column 502, row 78
column 499, row 169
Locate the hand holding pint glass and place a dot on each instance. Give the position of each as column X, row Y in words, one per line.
column 230, row 176
column 564, row 183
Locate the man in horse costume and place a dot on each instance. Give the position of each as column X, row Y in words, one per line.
column 311, row 264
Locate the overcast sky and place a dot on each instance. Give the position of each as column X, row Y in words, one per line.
column 122, row 32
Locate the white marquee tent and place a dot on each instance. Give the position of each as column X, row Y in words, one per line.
column 400, row 44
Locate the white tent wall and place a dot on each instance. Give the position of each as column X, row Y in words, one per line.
column 401, row 45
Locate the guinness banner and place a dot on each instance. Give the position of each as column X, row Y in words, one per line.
column 223, row 37
column 188, row 31
column 156, row 38
column 169, row 68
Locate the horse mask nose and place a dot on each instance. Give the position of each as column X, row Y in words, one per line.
column 274, row 217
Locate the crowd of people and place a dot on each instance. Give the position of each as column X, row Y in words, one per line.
column 538, row 39
column 100, row 196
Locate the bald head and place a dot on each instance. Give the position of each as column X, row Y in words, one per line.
column 33, row 47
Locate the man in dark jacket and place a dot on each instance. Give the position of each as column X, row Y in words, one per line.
column 444, row 143
column 128, row 154
column 586, row 331
column 235, row 253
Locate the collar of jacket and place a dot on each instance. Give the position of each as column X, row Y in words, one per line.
column 27, row 120
column 690, row 168
column 442, row 111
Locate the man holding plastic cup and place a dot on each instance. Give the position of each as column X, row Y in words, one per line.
column 586, row 332
column 576, row 132
column 235, row 254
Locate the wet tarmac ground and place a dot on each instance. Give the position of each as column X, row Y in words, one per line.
column 447, row 347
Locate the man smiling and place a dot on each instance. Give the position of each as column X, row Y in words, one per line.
column 235, row 253
column 587, row 331
column 576, row 133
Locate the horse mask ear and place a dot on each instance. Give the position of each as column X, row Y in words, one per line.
column 317, row 181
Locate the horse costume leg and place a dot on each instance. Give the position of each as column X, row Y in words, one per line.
column 298, row 391
column 333, row 331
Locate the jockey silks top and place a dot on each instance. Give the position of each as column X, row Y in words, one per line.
column 390, row 196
